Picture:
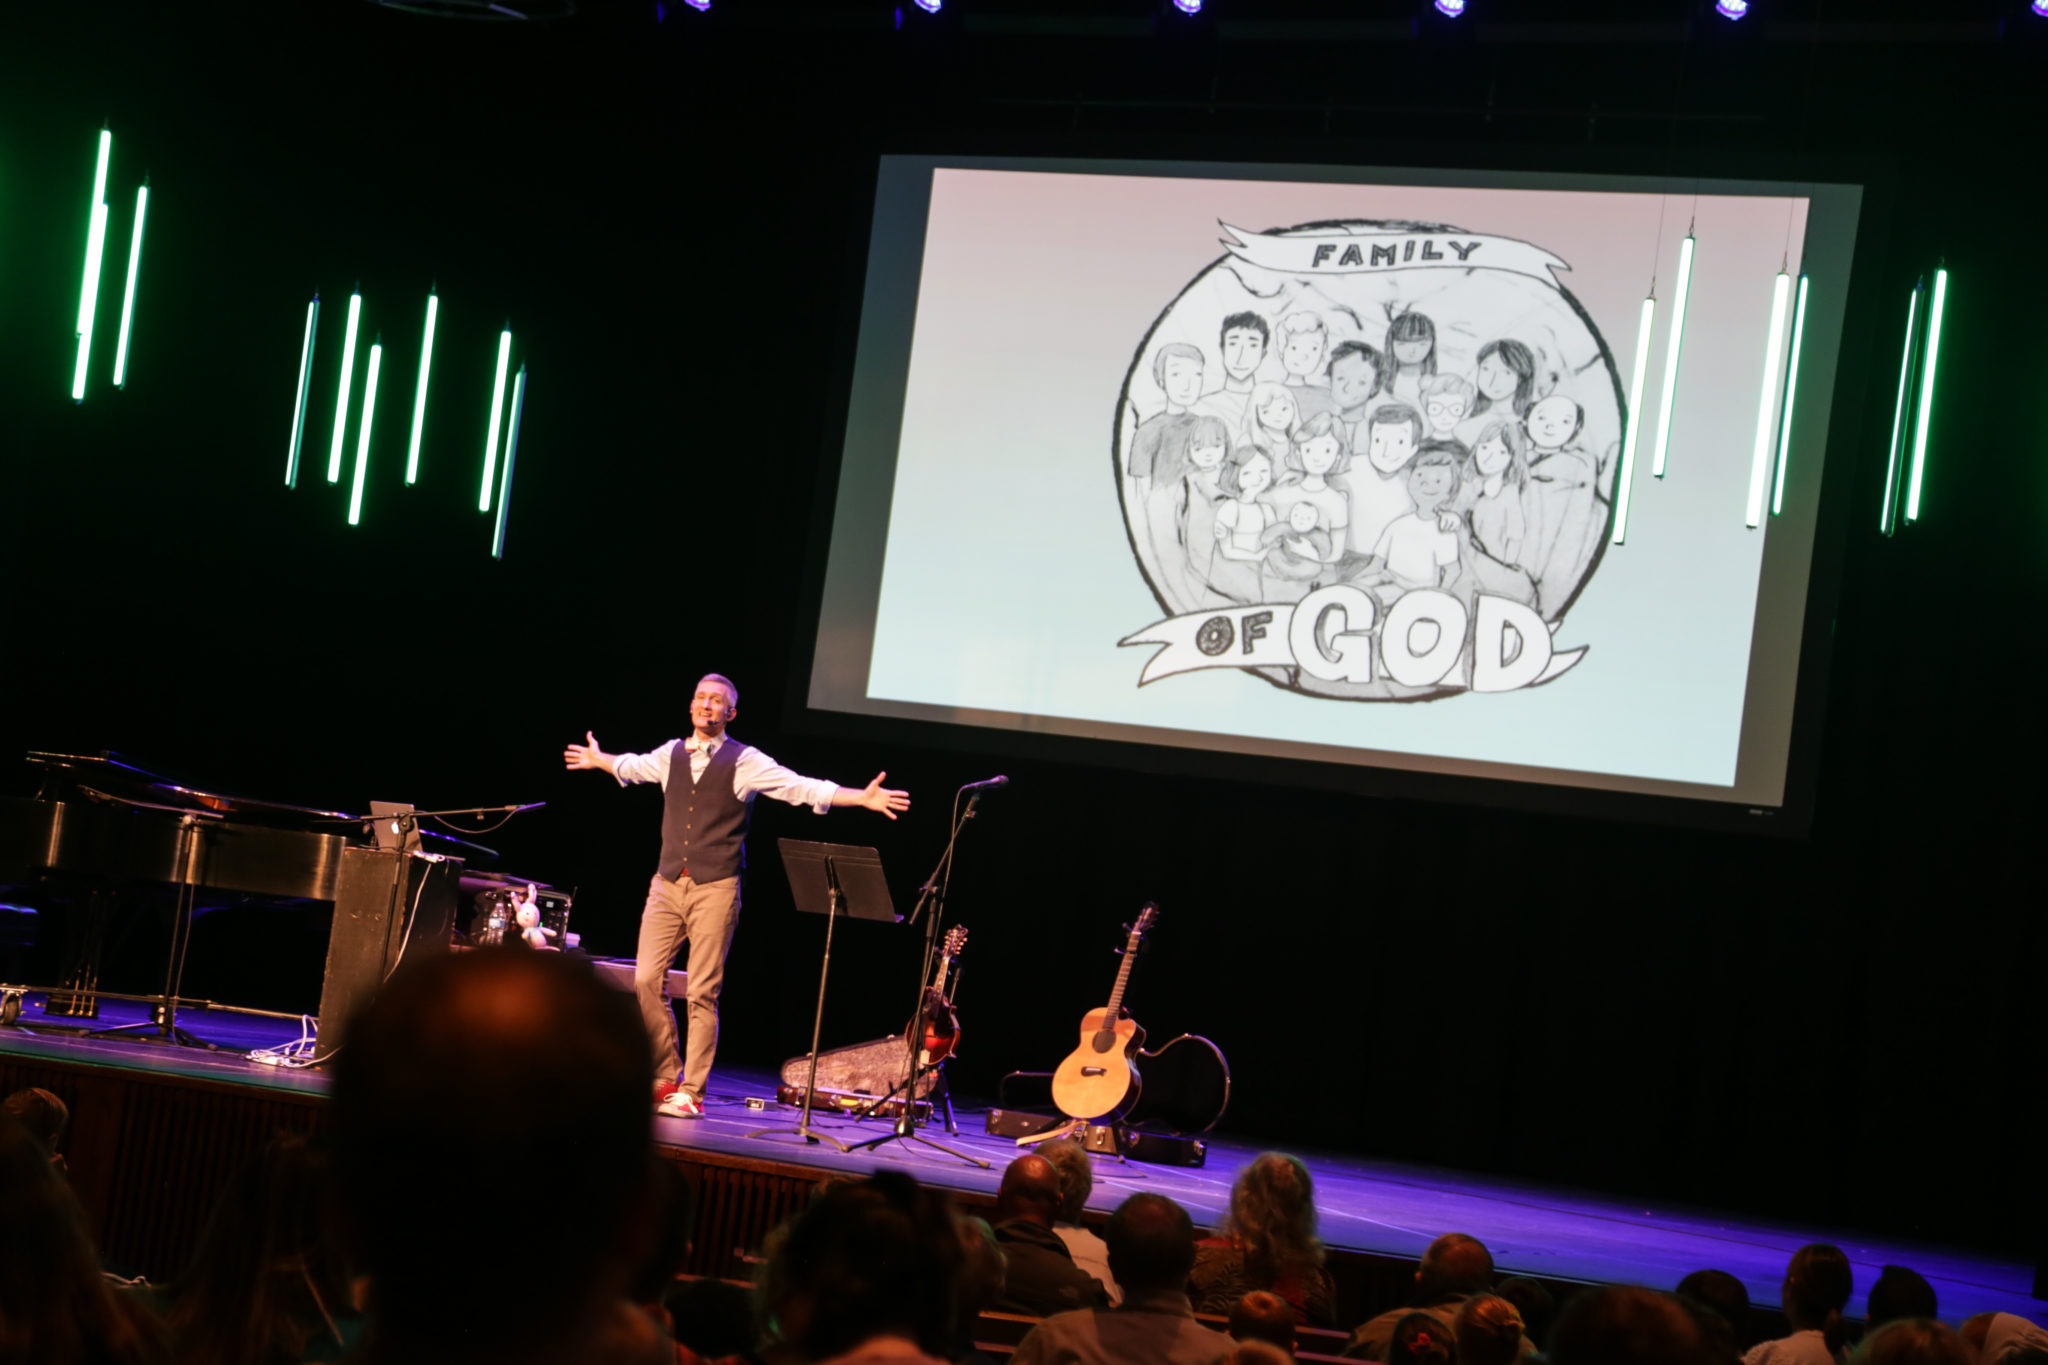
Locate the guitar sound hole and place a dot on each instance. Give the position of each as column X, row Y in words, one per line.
column 1105, row 1040
column 1091, row 1071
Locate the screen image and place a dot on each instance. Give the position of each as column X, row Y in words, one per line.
column 1327, row 464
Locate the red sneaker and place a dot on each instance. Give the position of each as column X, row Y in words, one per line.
column 662, row 1090
column 680, row 1105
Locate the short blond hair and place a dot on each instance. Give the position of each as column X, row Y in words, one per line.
column 732, row 691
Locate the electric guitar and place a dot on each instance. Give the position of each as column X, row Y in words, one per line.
column 941, row 1022
column 1099, row 1077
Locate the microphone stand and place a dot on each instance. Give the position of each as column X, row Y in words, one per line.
column 933, row 895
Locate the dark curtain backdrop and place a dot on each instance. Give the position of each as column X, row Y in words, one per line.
column 1844, row 1028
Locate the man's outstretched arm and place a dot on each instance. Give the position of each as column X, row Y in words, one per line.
column 578, row 756
column 874, row 796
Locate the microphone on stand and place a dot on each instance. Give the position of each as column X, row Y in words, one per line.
column 986, row 785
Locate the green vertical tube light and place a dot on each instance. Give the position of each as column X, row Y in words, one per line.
column 291, row 463
column 1921, row 419
column 355, row 493
column 128, row 292
column 419, row 399
column 1888, row 522
column 348, row 364
column 1671, row 352
column 1791, row 393
column 89, row 299
column 1767, row 404
column 483, row 497
column 511, row 458
column 1627, row 477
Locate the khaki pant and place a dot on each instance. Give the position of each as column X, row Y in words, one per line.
column 705, row 913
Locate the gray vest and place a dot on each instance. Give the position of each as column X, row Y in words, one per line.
column 703, row 824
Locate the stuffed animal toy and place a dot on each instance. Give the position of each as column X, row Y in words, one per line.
column 526, row 912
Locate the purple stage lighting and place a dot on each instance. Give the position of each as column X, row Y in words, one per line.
column 930, row 6
column 1452, row 8
column 1731, row 9
column 1188, row 6
column 699, row 5
column 2041, row 8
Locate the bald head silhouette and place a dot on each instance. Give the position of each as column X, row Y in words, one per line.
column 1151, row 1244
column 1030, row 1190
column 1453, row 1264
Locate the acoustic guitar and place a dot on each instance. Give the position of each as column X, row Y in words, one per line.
column 1099, row 1077
column 941, row 1021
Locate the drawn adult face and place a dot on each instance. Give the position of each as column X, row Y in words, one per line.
column 1206, row 457
column 1183, row 380
column 1446, row 410
column 1319, row 454
column 1352, row 379
column 1243, row 349
column 1254, row 476
column 1302, row 517
column 1411, row 352
column 1301, row 353
column 1390, row 445
column 1496, row 380
column 1279, row 413
column 1491, row 456
column 1430, row 485
column 1552, row 422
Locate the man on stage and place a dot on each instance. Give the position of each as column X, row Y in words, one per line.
column 695, row 893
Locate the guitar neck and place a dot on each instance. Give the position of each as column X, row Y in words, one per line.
column 1123, row 977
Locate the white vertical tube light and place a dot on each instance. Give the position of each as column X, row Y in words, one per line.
column 1889, row 520
column 1671, row 352
column 1767, row 405
column 483, row 497
column 1627, row 477
column 355, row 494
column 291, row 463
column 348, row 364
column 1920, row 420
column 128, row 292
column 511, row 457
column 95, row 251
column 419, row 401
column 1791, row 393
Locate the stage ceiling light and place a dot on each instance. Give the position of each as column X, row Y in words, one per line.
column 1188, row 6
column 1887, row 521
column 1627, row 477
column 1767, row 403
column 511, row 458
column 483, row 497
column 128, row 293
column 1731, row 9
column 95, row 251
column 355, row 493
column 1922, row 420
column 419, row 401
column 348, row 365
column 291, row 464
column 931, row 6
column 1791, row 393
column 1671, row 353
column 2041, row 8
column 1452, row 8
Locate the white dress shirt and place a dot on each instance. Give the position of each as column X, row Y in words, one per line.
column 754, row 775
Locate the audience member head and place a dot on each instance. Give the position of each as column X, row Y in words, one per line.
column 1453, row 1264
column 1912, row 1341
column 1900, row 1293
column 1537, row 1305
column 672, row 1203
column 1625, row 1325
column 1030, row 1191
column 879, row 1257
column 1488, row 1330
column 268, row 1278
column 1252, row 1351
column 1077, row 1175
column 1817, row 1289
column 984, row 1268
column 55, row 1305
column 43, row 1114
column 1151, row 1244
column 1263, row 1316
column 712, row 1317
column 1421, row 1339
column 471, row 1079
column 1273, row 1216
column 1723, row 1295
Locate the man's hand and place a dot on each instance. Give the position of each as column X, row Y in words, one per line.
column 587, row 755
column 875, row 796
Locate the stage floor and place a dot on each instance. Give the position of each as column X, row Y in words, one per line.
column 1367, row 1204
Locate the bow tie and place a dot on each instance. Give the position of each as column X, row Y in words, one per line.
column 693, row 744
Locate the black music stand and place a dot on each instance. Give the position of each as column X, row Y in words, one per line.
column 830, row 880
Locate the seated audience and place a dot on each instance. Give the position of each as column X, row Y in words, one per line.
column 44, row 1115
column 1722, row 1295
column 1625, row 1325
column 2000, row 1338
column 982, row 1274
column 1256, row 1352
column 1263, row 1315
column 1151, row 1250
column 1453, row 1268
column 55, row 1305
column 1816, row 1290
column 673, row 1209
column 1899, row 1293
column 1040, row 1275
column 1268, row 1241
column 1911, row 1341
column 1487, row 1330
column 490, row 1110
column 711, row 1318
column 1536, row 1304
column 1421, row 1339
column 1077, row 1182
column 269, row 1282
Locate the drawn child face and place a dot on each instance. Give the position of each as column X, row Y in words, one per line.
column 1302, row 517
column 1491, row 456
column 1319, row 453
column 1446, row 410
column 1183, row 380
column 1254, row 476
column 1430, row 486
column 1207, row 457
column 1390, row 445
column 1352, row 379
column 1496, row 380
column 1301, row 353
column 1412, row 352
column 1552, row 422
column 1243, row 349
column 1279, row 413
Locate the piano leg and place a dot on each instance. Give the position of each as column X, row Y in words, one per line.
column 163, row 1021
column 84, row 938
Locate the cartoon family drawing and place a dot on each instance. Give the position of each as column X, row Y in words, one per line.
column 1450, row 427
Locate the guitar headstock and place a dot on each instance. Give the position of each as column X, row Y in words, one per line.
column 956, row 939
column 1142, row 925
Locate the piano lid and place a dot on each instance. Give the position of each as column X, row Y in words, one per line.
column 107, row 776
